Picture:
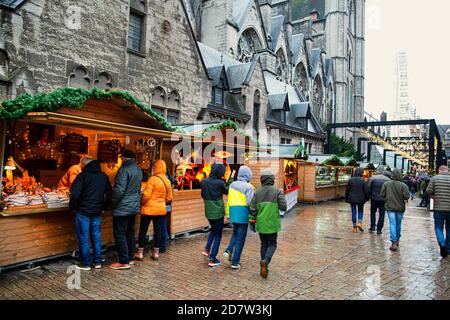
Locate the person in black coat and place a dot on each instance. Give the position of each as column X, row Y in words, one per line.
column 90, row 195
column 357, row 194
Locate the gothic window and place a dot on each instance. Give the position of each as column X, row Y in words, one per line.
column 328, row 114
column 350, row 97
column 351, row 15
column 218, row 93
column 301, row 80
column 256, row 110
column 248, row 44
column 104, row 81
column 282, row 73
column 173, row 116
column 173, row 113
column 136, row 26
column 79, row 78
column 317, row 97
column 349, row 57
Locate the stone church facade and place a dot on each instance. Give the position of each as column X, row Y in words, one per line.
column 191, row 60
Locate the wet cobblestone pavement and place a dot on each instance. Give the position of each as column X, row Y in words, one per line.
column 318, row 257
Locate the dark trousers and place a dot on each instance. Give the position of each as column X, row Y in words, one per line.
column 165, row 231
column 268, row 246
column 425, row 200
column 158, row 222
column 214, row 237
column 375, row 206
column 124, row 236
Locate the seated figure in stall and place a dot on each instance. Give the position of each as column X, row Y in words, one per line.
column 69, row 177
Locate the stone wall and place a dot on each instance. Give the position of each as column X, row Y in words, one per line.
column 51, row 38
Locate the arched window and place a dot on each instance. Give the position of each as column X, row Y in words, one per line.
column 282, row 72
column 350, row 111
column 351, row 10
column 79, row 78
column 301, row 80
column 174, row 104
column 317, row 100
column 248, row 44
column 349, row 57
column 104, row 81
column 328, row 110
column 159, row 100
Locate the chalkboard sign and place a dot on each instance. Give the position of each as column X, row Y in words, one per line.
column 108, row 151
column 74, row 143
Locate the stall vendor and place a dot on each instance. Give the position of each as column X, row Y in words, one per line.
column 69, row 177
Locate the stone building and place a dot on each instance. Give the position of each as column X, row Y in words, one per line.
column 144, row 46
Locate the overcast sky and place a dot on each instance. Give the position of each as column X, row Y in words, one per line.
column 422, row 29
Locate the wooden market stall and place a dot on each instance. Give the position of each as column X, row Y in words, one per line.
column 41, row 138
column 323, row 178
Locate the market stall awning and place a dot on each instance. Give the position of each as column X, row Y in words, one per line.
column 107, row 106
column 326, row 159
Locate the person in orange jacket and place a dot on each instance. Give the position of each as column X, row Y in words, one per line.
column 157, row 194
column 69, row 177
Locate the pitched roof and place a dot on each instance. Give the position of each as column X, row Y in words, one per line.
column 315, row 59
column 297, row 44
column 237, row 74
column 301, row 110
column 13, row 4
column 277, row 101
column 214, row 58
column 277, row 28
column 241, row 9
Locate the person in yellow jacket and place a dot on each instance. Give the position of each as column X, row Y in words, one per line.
column 69, row 177
column 157, row 193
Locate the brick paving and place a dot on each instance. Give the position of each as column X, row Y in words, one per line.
column 318, row 257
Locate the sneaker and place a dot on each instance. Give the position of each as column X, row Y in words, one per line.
column 227, row 255
column 97, row 266
column 205, row 253
column 264, row 271
column 214, row 263
column 119, row 266
column 84, row 268
column 444, row 252
column 236, row 266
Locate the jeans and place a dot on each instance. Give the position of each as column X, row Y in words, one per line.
column 375, row 206
column 395, row 225
column 442, row 219
column 124, row 235
column 268, row 246
column 214, row 237
column 357, row 207
column 84, row 227
column 237, row 241
column 165, row 231
column 413, row 195
column 158, row 222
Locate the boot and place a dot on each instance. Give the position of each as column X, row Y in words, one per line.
column 359, row 225
column 355, row 229
column 155, row 253
column 394, row 246
column 139, row 255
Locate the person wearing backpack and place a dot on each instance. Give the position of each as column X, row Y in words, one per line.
column 396, row 194
column 265, row 217
column 156, row 195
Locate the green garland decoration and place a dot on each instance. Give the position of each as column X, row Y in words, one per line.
column 70, row 97
column 333, row 160
column 227, row 124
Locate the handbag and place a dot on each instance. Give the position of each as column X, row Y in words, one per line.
column 168, row 203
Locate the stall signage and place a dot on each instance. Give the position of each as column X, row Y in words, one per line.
column 74, row 143
column 108, row 151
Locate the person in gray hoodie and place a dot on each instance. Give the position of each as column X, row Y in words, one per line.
column 375, row 184
column 396, row 194
column 240, row 195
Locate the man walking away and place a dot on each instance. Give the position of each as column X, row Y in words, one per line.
column 439, row 190
column 126, row 203
column 239, row 197
column 213, row 189
column 396, row 194
column 90, row 195
column 376, row 202
column 265, row 212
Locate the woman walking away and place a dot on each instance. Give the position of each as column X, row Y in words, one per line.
column 157, row 194
column 357, row 193
column 396, row 194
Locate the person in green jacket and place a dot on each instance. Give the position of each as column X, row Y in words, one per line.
column 396, row 194
column 265, row 213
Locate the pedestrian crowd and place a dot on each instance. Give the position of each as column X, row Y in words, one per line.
column 388, row 192
column 91, row 194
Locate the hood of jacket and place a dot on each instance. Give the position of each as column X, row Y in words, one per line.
column 159, row 167
column 358, row 172
column 217, row 170
column 93, row 167
column 380, row 170
column 245, row 174
column 267, row 178
column 397, row 175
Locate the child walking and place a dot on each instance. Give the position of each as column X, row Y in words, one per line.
column 265, row 212
column 239, row 197
column 213, row 189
